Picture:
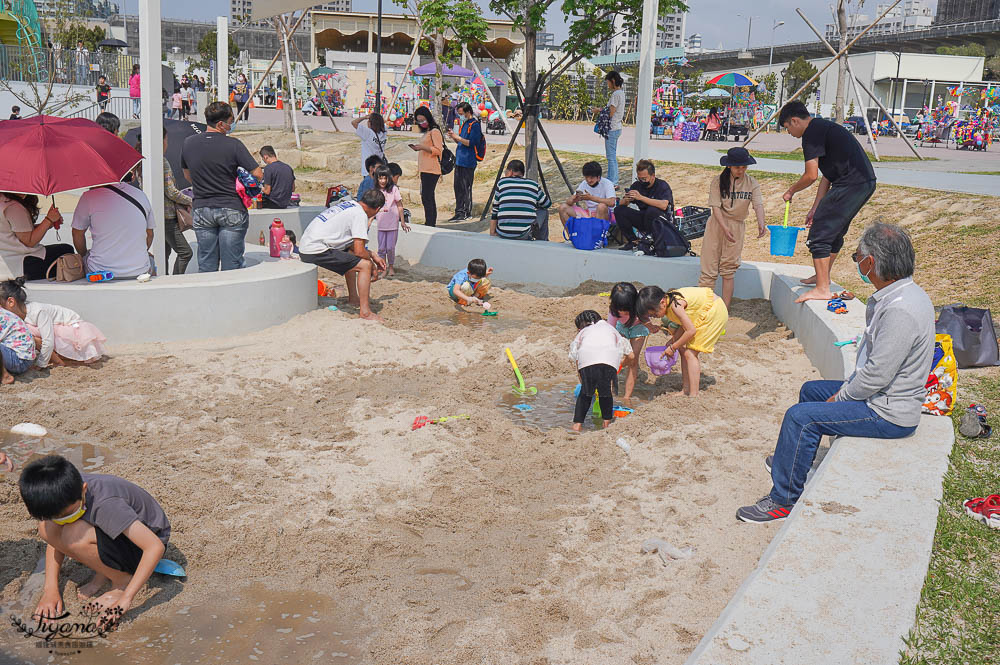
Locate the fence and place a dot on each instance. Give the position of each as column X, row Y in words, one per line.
column 120, row 106
column 38, row 65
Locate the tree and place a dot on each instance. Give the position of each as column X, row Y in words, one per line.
column 973, row 49
column 435, row 19
column 591, row 22
column 770, row 94
column 207, row 49
column 798, row 73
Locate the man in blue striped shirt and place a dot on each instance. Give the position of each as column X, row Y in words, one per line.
column 520, row 206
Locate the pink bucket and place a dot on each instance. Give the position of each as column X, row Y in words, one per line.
column 657, row 365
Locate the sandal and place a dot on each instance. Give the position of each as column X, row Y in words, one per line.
column 837, row 306
column 985, row 510
column 844, row 295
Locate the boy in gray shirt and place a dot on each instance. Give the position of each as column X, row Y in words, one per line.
column 106, row 523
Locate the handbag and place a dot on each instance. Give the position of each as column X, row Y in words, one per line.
column 185, row 219
column 447, row 161
column 587, row 233
column 973, row 337
column 68, row 267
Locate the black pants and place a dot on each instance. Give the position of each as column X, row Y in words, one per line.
column 600, row 378
column 833, row 217
column 36, row 268
column 428, row 181
column 463, row 190
column 626, row 218
column 239, row 107
column 175, row 241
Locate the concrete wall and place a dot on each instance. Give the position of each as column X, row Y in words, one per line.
column 193, row 306
column 294, row 219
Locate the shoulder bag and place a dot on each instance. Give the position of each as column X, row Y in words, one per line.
column 68, row 267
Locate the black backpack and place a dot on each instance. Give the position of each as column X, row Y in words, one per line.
column 665, row 240
column 447, row 161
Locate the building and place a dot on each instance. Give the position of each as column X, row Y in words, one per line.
column 546, row 41
column 906, row 16
column 94, row 9
column 670, row 35
column 964, row 11
column 261, row 42
column 239, row 10
column 693, row 43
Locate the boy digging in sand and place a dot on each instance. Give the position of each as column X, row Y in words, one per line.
column 470, row 286
column 106, row 523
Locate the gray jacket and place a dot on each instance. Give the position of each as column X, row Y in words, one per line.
column 894, row 354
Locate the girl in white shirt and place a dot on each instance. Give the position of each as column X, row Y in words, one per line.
column 371, row 130
column 60, row 335
column 597, row 351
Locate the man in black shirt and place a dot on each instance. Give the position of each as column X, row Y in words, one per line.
column 848, row 181
column 279, row 180
column 220, row 219
column 651, row 195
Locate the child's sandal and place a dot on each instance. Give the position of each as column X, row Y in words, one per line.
column 985, row 510
column 844, row 295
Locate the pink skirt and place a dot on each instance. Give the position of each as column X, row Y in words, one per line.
column 79, row 341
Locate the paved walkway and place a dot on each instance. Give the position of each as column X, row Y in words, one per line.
column 949, row 170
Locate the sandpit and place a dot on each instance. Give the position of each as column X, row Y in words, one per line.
column 312, row 520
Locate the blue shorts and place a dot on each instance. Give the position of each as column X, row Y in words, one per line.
column 14, row 363
column 632, row 332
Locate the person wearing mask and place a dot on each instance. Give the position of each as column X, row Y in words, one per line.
column 371, row 130
column 210, row 162
column 448, row 114
column 279, row 180
column 134, row 91
column 103, row 92
column 651, row 196
column 469, row 140
column 241, row 95
column 616, row 112
column 173, row 236
column 428, row 161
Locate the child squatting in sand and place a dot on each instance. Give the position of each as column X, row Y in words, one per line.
column 470, row 286
column 697, row 319
column 597, row 350
column 106, row 523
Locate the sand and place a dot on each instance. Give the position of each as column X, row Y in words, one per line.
column 287, row 465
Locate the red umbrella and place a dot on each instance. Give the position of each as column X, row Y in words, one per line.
column 46, row 155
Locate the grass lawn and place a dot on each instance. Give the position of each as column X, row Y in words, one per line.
column 796, row 155
column 981, row 172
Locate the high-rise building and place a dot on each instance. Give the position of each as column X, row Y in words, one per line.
column 670, row 35
column 239, row 10
column 964, row 11
column 906, row 16
column 97, row 9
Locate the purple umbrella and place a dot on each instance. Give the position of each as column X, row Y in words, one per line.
column 429, row 70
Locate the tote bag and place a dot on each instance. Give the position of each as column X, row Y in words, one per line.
column 587, row 233
column 972, row 335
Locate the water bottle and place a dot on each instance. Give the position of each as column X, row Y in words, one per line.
column 277, row 233
column 285, row 248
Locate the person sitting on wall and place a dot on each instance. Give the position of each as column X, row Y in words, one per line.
column 882, row 399
column 595, row 196
column 520, row 206
column 651, row 197
column 279, row 180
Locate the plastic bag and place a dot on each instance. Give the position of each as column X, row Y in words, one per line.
column 972, row 334
column 942, row 383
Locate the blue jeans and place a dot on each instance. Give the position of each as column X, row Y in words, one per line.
column 221, row 234
column 12, row 362
column 611, row 152
column 806, row 423
column 136, row 106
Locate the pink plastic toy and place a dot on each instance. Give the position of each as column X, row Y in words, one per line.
column 657, row 365
column 277, row 233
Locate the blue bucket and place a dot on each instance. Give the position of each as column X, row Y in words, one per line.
column 783, row 239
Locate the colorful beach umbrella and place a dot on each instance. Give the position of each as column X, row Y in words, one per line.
column 732, row 78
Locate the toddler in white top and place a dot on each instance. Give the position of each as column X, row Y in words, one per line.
column 598, row 351
column 61, row 336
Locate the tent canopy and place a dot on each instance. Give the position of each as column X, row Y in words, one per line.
column 429, row 69
column 264, row 9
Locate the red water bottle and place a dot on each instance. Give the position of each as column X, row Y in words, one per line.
column 277, row 233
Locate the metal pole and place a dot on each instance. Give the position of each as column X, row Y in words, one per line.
column 749, row 27
column 820, row 72
column 402, row 77
column 268, row 70
column 291, row 84
column 496, row 105
column 559, row 165
column 647, row 64
column 152, row 121
column 378, row 61
column 222, row 58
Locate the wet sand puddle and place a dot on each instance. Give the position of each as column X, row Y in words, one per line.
column 475, row 319
column 554, row 405
column 22, row 448
column 256, row 626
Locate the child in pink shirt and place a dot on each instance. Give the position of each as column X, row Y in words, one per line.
column 390, row 217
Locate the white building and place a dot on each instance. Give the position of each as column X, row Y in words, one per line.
column 239, row 10
column 670, row 35
column 907, row 15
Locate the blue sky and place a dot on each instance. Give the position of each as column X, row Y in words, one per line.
column 703, row 17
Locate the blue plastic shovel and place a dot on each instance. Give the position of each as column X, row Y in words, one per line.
column 168, row 567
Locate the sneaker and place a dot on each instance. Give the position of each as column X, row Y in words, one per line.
column 768, row 461
column 456, row 218
column 765, row 510
column 629, row 247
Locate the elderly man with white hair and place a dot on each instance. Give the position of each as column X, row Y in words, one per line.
column 883, row 397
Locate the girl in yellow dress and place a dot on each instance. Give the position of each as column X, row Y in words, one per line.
column 697, row 319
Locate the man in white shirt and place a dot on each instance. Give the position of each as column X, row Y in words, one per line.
column 120, row 220
column 595, row 196
column 335, row 239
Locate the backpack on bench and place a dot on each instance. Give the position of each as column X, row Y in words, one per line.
column 665, row 240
